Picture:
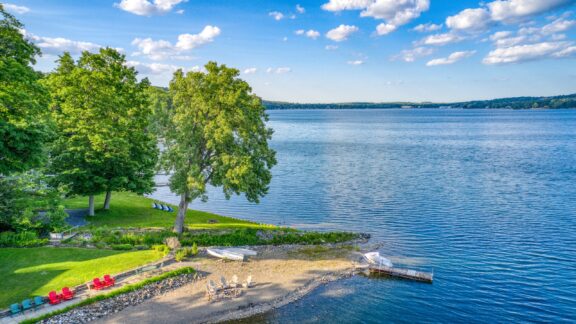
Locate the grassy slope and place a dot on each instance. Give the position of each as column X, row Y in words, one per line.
column 36, row 271
column 131, row 210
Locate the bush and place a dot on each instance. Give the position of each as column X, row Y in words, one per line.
column 23, row 239
column 141, row 247
column 183, row 253
column 122, row 247
column 194, row 249
column 161, row 248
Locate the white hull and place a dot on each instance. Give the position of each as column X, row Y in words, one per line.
column 225, row 254
column 242, row 251
column 375, row 259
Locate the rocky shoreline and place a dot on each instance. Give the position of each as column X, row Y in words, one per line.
column 100, row 309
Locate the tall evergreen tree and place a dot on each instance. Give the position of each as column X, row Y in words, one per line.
column 216, row 136
column 102, row 116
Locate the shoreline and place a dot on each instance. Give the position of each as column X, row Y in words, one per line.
column 282, row 275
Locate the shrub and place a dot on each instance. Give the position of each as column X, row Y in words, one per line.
column 141, row 247
column 194, row 249
column 122, row 247
column 161, row 248
column 23, row 239
column 183, row 253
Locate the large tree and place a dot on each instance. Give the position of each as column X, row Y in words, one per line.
column 102, row 116
column 23, row 101
column 216, row 136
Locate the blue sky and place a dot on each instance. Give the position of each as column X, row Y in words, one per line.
column 329, row 50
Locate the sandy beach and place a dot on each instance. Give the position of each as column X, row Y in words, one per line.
column 280, row 274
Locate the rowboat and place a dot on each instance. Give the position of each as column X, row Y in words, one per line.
column 247, row 252
column 225, row 254
column 375, row 258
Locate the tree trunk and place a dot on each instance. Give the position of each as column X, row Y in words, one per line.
column 91, row 205
column 182, row 207
column 107, row 200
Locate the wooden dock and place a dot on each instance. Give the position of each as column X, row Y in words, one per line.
column 403, row 273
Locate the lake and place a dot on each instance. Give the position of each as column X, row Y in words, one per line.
column 484, row 198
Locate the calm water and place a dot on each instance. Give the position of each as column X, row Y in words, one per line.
column 487, row 199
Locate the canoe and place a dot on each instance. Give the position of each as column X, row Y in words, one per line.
column 375, row 259
column 224, row 254
column 247, row 252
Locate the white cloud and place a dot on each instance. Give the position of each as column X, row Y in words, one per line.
column 385, row 29
column 341, row 33
column 441, row 39
column 309, row 33
column 181, row 11
column 16, row 9
column 162, row 49
column 152, row 68
column 470, row 20
column 558, row 26
column 250, row 70
column 59, row 45
column 413, row 54
column 300, row 9
column 355, row 62
column 276, row 15
column 278, row 70
column 331, row 47
column 526, row 35
column 395, row 12
column 512, row 10
column 426, row 28
column 451, row 59
column 530, row 52
column 147, row 8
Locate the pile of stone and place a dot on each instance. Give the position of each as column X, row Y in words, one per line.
column 115, row 304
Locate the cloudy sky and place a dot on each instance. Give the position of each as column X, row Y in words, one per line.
column 328, row 50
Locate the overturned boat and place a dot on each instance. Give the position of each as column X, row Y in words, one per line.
column 236, row 254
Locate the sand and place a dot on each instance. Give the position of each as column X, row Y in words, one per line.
column 280, row 274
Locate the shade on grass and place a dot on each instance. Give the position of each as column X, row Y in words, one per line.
column 36, row 271
column 131, row 210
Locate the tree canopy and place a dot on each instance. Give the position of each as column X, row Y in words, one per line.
column 102, row 116
column 24, row 124
column 216, row 136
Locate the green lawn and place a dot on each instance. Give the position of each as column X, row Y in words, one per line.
column 131, row 210
column 37, row 271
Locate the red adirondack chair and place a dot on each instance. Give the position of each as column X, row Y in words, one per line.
column 97, row 284
column 53, row 298
column 109, row 281
column 67, row 294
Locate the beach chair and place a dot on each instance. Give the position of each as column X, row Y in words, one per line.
column 211, row 290
column 162, row 207
column 15, row 309
column 248, row 283
column 169, row 208
column 155, row 205
column 26, row 304
column 223, row 282
column 67, row 294
column 39, row 301
column 109, row 281
column 234, row 282
column 97, row 284
column 53, row 298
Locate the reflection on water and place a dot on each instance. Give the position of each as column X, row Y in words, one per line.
column 485, row 198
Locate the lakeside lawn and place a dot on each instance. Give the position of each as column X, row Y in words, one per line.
column 131, row 210
column 27, row 272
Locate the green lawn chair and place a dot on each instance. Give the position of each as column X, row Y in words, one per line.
column 26, row 304
column 15, row 309
column 39, row 301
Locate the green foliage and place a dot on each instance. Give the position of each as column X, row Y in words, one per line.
column 161, row 106
column 117, row 292
column 24, row 123
column 22, row 239
column 122, row 247
column 102, row 116
column 182, row 254
column 235, row 237
column 217, row 136
column 163, row 248
column 28, row 203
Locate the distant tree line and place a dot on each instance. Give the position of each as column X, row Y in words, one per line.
column 556, row 102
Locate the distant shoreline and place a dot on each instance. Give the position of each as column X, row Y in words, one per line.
column 517, row 103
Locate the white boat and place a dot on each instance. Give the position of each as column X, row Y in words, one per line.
column 376, row 259
column 225, row 254
column 247, row 252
